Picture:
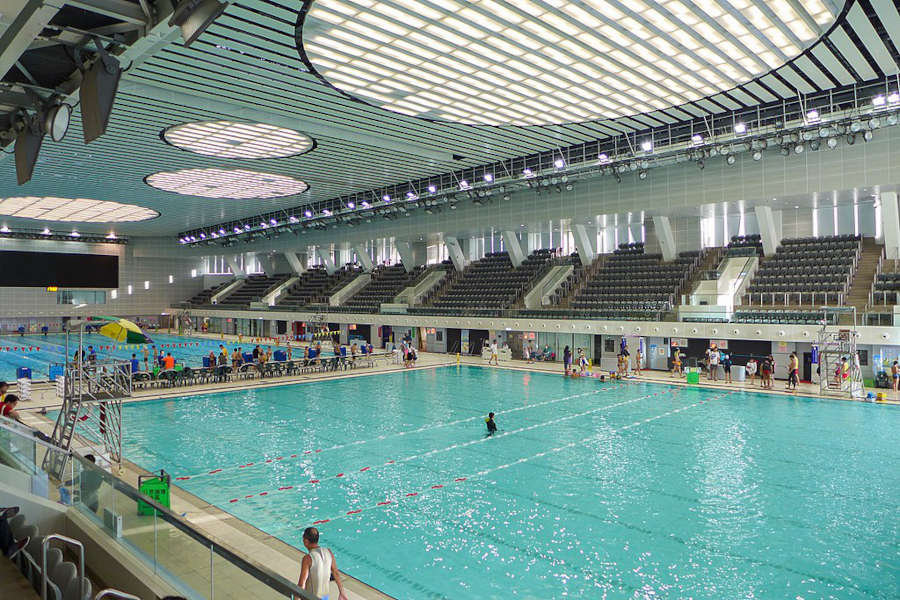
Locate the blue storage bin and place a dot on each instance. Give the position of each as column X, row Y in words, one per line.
column 206, row 364
column 280, row 355
column 23, row 373
column 248, row 357
column 56, row 371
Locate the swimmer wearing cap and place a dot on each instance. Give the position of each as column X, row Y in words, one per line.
column 491, row 425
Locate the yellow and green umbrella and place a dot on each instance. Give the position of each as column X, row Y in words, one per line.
column 123, row 330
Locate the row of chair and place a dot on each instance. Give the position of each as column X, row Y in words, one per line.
column 64, row 581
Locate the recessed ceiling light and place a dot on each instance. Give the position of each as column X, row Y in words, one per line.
column 226, row 183
column 83, row 210
column 229, row 139
column 540, row 62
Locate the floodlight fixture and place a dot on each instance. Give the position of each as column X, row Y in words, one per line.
column 879, row 101
column 697, row 139
column 99, row 85
column 526, row 172
column 488, row 177
column 351, row 205
column 432, row 189
column 647, row 145
column 56, row 121
column 740, row 128
column 194, row 16
column 559, row 163
column 307, row 213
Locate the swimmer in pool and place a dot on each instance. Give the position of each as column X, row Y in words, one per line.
column 491, row 425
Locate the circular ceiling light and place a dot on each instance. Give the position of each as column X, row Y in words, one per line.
column 229, row 139
column 82, row 210
column 226, row 183
column 539, row 62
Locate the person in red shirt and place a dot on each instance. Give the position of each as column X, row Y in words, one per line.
column 8, row 408
column 169, row 362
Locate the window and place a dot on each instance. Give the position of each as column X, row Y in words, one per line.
column 81, row 297
column 114, row 294
column 171, row 279
column 130, row 289
column 146, row 285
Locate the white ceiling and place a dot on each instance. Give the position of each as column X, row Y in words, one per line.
column 247, row 67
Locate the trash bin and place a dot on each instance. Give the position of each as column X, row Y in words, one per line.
column 157, row 488
column 23, row 373
column 692, row 375
column 206, row 364
column 280, row 355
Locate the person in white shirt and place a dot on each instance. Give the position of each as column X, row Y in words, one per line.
column 494, row 359
column 714, row 363
column 318, row 567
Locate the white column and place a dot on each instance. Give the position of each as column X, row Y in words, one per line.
column 511, row 244
column 297, row 264
column 767, row 230
column 232, row 260
column 534, row 241
column 666, row 238
column 890, row 224
column 455, row 252
column 327, row 259
column 404, row 249
column 364, row 259
column 584, row 245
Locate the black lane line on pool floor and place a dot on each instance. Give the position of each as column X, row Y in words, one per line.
column 380, row 438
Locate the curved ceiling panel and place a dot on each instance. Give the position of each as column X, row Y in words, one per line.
column 542, row 62
column 235, row 184
column 74, row 210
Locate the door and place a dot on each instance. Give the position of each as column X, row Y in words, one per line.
column 453, row 340
column 807, row 367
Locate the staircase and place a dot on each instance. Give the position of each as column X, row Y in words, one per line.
column 584, row 276
column 858, row 295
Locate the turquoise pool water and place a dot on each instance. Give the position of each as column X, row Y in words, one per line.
column 588, row 491
column 52, row 351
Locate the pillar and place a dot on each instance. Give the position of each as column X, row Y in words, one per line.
column 405, row 250
column 364, row 259
column 511, row 243
column 455, row 252
column 298, row 266
column 327, row 259
column 232, row 261
column 768, row 230
column 890, row 225
column 666, row 238
column 584, row 245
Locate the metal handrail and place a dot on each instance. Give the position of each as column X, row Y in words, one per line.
column 273, row 580
column 45, row 544
column 112, row 593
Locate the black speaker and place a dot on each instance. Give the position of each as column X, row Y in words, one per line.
column 98, row 93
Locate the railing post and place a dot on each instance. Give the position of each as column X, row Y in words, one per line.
column 212, row 577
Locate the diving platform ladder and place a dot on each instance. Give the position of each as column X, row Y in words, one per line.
column 92, row 410
column 837, row 345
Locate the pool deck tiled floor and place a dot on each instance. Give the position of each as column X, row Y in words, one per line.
column 262, row 549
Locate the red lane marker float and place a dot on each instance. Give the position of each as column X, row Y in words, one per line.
column 353, row 512
column 412, row 494
column 292, row 456
column 264, row 493
column 249, row 496
column 339, row 475
column 386, row 502
column 390, row 462
column 182, row 478
column 215, row 471
column 460, row 479
column 321, row 521
column 270, row 460
column 287, row 487
column 279, row 458
column 233, row 500
column 436, row 487
column 314, row 481
column 364, row 469
column 307, row 452
column 318, row 450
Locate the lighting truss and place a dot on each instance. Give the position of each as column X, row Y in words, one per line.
column 540, row 62
column 62, row 236
column 230, row 139
column 758, row 130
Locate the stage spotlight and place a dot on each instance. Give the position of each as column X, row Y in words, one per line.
column 28, row 146
column 799, row 148
column 874, row 123
column 98, row 93
column 527, row 173
column 814, row 145
column 194, row 16
column 740, row 128
column 642, row 175
column 731, row 159
column 559, row 163
column 867, row 136
column 432, row 189
column 697, row 139
column 351, row 205
column 785, row 150
column 307, row 213
column 832, row 142
column 56, row 121
column 647, row 145
column 757, row 155
column 851, row 139
column 812, row 116
column 488, row 177
column 878, row 100
column 603, row 158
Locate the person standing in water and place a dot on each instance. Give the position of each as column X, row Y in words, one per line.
column 318, row 568
column 491, row 424
column 567, row 359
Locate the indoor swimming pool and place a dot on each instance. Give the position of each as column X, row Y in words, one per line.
column 589, row 490
column 38, row 352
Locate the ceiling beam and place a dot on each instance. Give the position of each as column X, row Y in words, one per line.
column 117, row 9
column 29, row 22
column 203, row 100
